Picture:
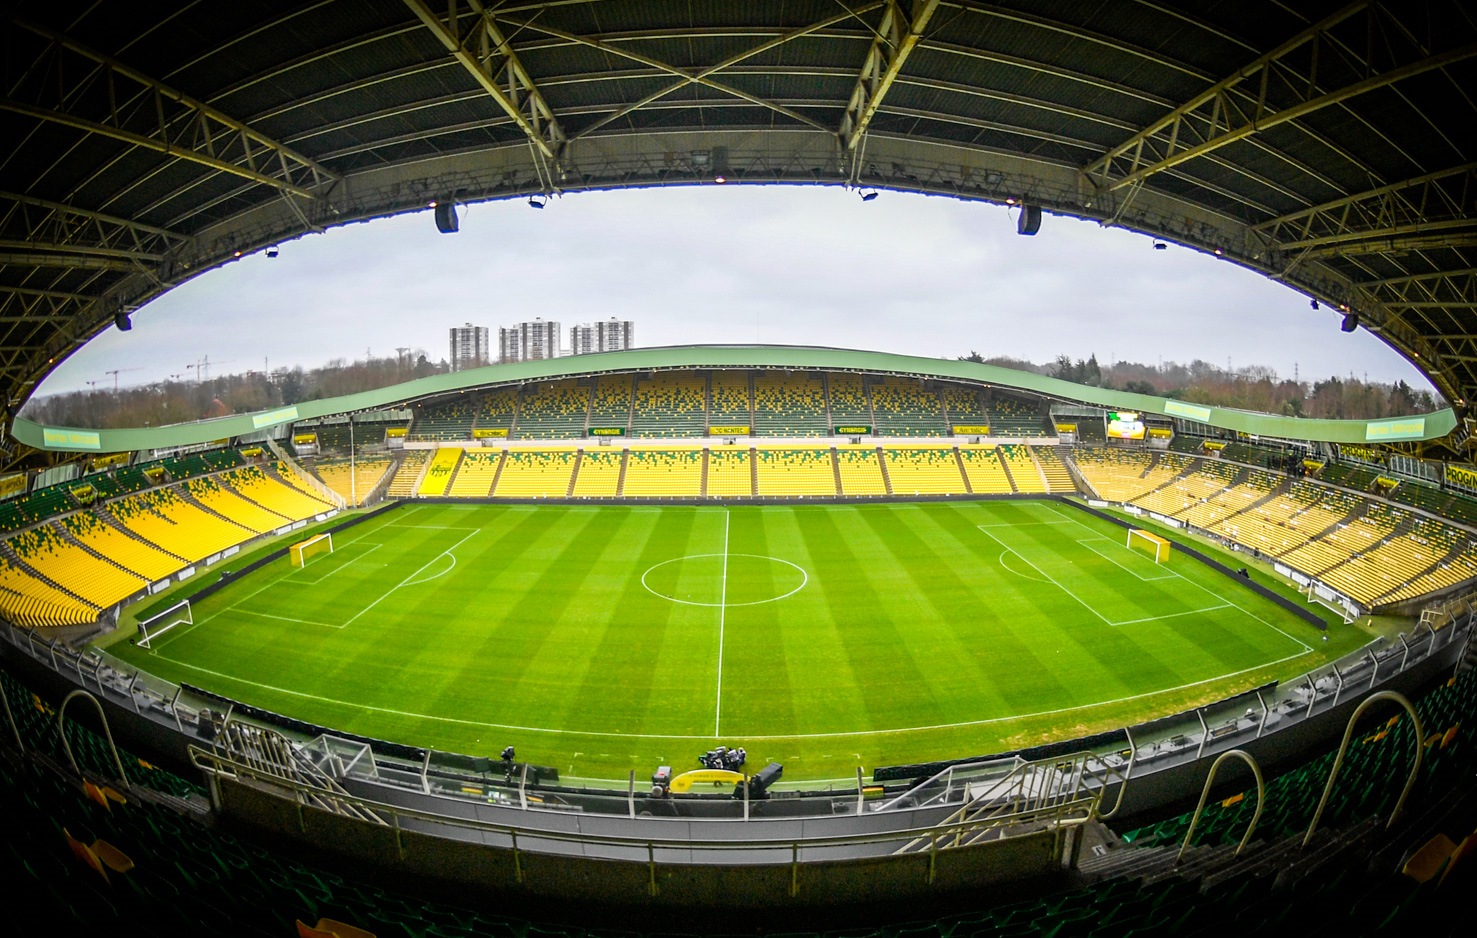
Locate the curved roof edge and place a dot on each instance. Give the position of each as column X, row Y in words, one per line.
column 72, row 439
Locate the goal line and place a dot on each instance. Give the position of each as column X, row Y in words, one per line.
column 1142, row 540
column 151, row 628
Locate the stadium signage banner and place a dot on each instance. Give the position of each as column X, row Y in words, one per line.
column 393, row 432
column 489, row 433
column 273, row 417
column 11, row 486
column 607, row 431
column 302, row 439
column 968, row 430
column 1456, row 475
column 728, row 431
column 1188, row 411
column 106, row 462
column 71, row 439
column 856, row 429
column 1408, row 428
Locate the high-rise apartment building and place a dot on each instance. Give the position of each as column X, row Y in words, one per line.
column 528, row 341
column 468, row 347
column 609, row 336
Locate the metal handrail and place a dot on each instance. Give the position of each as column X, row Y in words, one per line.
column 217, row 764
column 1338, row 761
column 61, row 728
column 1261, row 799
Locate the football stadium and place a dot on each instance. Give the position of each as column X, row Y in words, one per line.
column 742, row 638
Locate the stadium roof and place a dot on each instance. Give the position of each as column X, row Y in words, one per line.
column 798, row 358
column 1328, row 145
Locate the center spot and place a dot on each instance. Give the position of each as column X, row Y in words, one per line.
column 704, row 580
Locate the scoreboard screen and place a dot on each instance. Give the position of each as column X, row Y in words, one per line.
column 1125, row 425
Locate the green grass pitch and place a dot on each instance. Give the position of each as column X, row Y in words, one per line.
column 826, row 637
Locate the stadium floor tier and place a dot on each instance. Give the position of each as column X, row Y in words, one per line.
column 826, row 637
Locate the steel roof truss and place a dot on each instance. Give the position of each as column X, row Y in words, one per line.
column 895, row 40
column 1287, row 86
column 140, row 111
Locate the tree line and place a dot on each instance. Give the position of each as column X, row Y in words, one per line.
column 1255, row 387
column 175, row 401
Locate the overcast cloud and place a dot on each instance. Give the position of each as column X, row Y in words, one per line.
column 785, row 265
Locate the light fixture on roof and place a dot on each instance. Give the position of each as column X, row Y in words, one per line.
column 869, row 195
column 1160, row 245
column 1351, row 321
column 1010, row 200
column 272, row 251
column 1313, row 303
column 121, row 320
column 236, row 254
column 718, row 158
column 1217, row 252
column 537, row 201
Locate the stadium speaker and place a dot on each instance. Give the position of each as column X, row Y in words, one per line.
column 1029, row 221
column 446, row 220
column 121, row 320
column 1351, row 321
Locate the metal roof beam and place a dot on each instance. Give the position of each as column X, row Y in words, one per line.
column 143, row 112
column 12, row 258
column 1431, row 202
column 85, row 250
column 895, row 40
column 700, row 77
column 1213, row 118
column 485, row 54
column 1385, row 243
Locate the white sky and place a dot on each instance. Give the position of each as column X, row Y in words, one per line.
column 786, row 265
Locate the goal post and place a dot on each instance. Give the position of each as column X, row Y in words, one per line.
column 303, row 551
column 181, row 613
column 1141, row 540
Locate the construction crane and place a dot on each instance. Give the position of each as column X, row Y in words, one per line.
column 115, row 372
column 202, row 367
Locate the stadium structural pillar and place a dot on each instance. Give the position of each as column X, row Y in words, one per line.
column 882, row 465
column 963, row 471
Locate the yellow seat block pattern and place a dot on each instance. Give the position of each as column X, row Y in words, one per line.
column 986, row 474
column 147, row 561
column 287, row 496
column 1058, row 479
column 163, row 518
column 923, row 470
column 403, row 485
column 1022, row 468
column 100, row 583
column 29, row 601
column 664, row 473
column 599, row 473
column 536, row 473
column 860, row 470
column 354, row 485
column 797, row 471
column 475, row 474
column 729, row 391
column 730, row 472
column 789, row 405
column 234, row 507
column 438, row 477
column 849, row 401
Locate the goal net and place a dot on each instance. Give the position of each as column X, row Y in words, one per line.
column 151, row 628
column 1149, row 544
column 303, row 551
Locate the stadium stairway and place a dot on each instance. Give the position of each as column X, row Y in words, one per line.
column 183, row 493
column 10, row 554
column 65, row 532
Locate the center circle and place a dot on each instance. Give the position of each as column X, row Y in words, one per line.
column 724, row 579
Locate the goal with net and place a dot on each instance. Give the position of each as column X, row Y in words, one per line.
column 1149, row 544
column 151, row 628
column 303, row 551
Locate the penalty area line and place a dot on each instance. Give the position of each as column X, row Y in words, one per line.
column 407, row 580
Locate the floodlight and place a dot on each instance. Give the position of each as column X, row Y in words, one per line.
column 1313, row 303
column 272, row 251
column 537, row 201
column 121, row 320
column 869, row 195
column 1160, row 246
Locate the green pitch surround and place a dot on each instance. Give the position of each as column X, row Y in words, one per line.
column 825, row 637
